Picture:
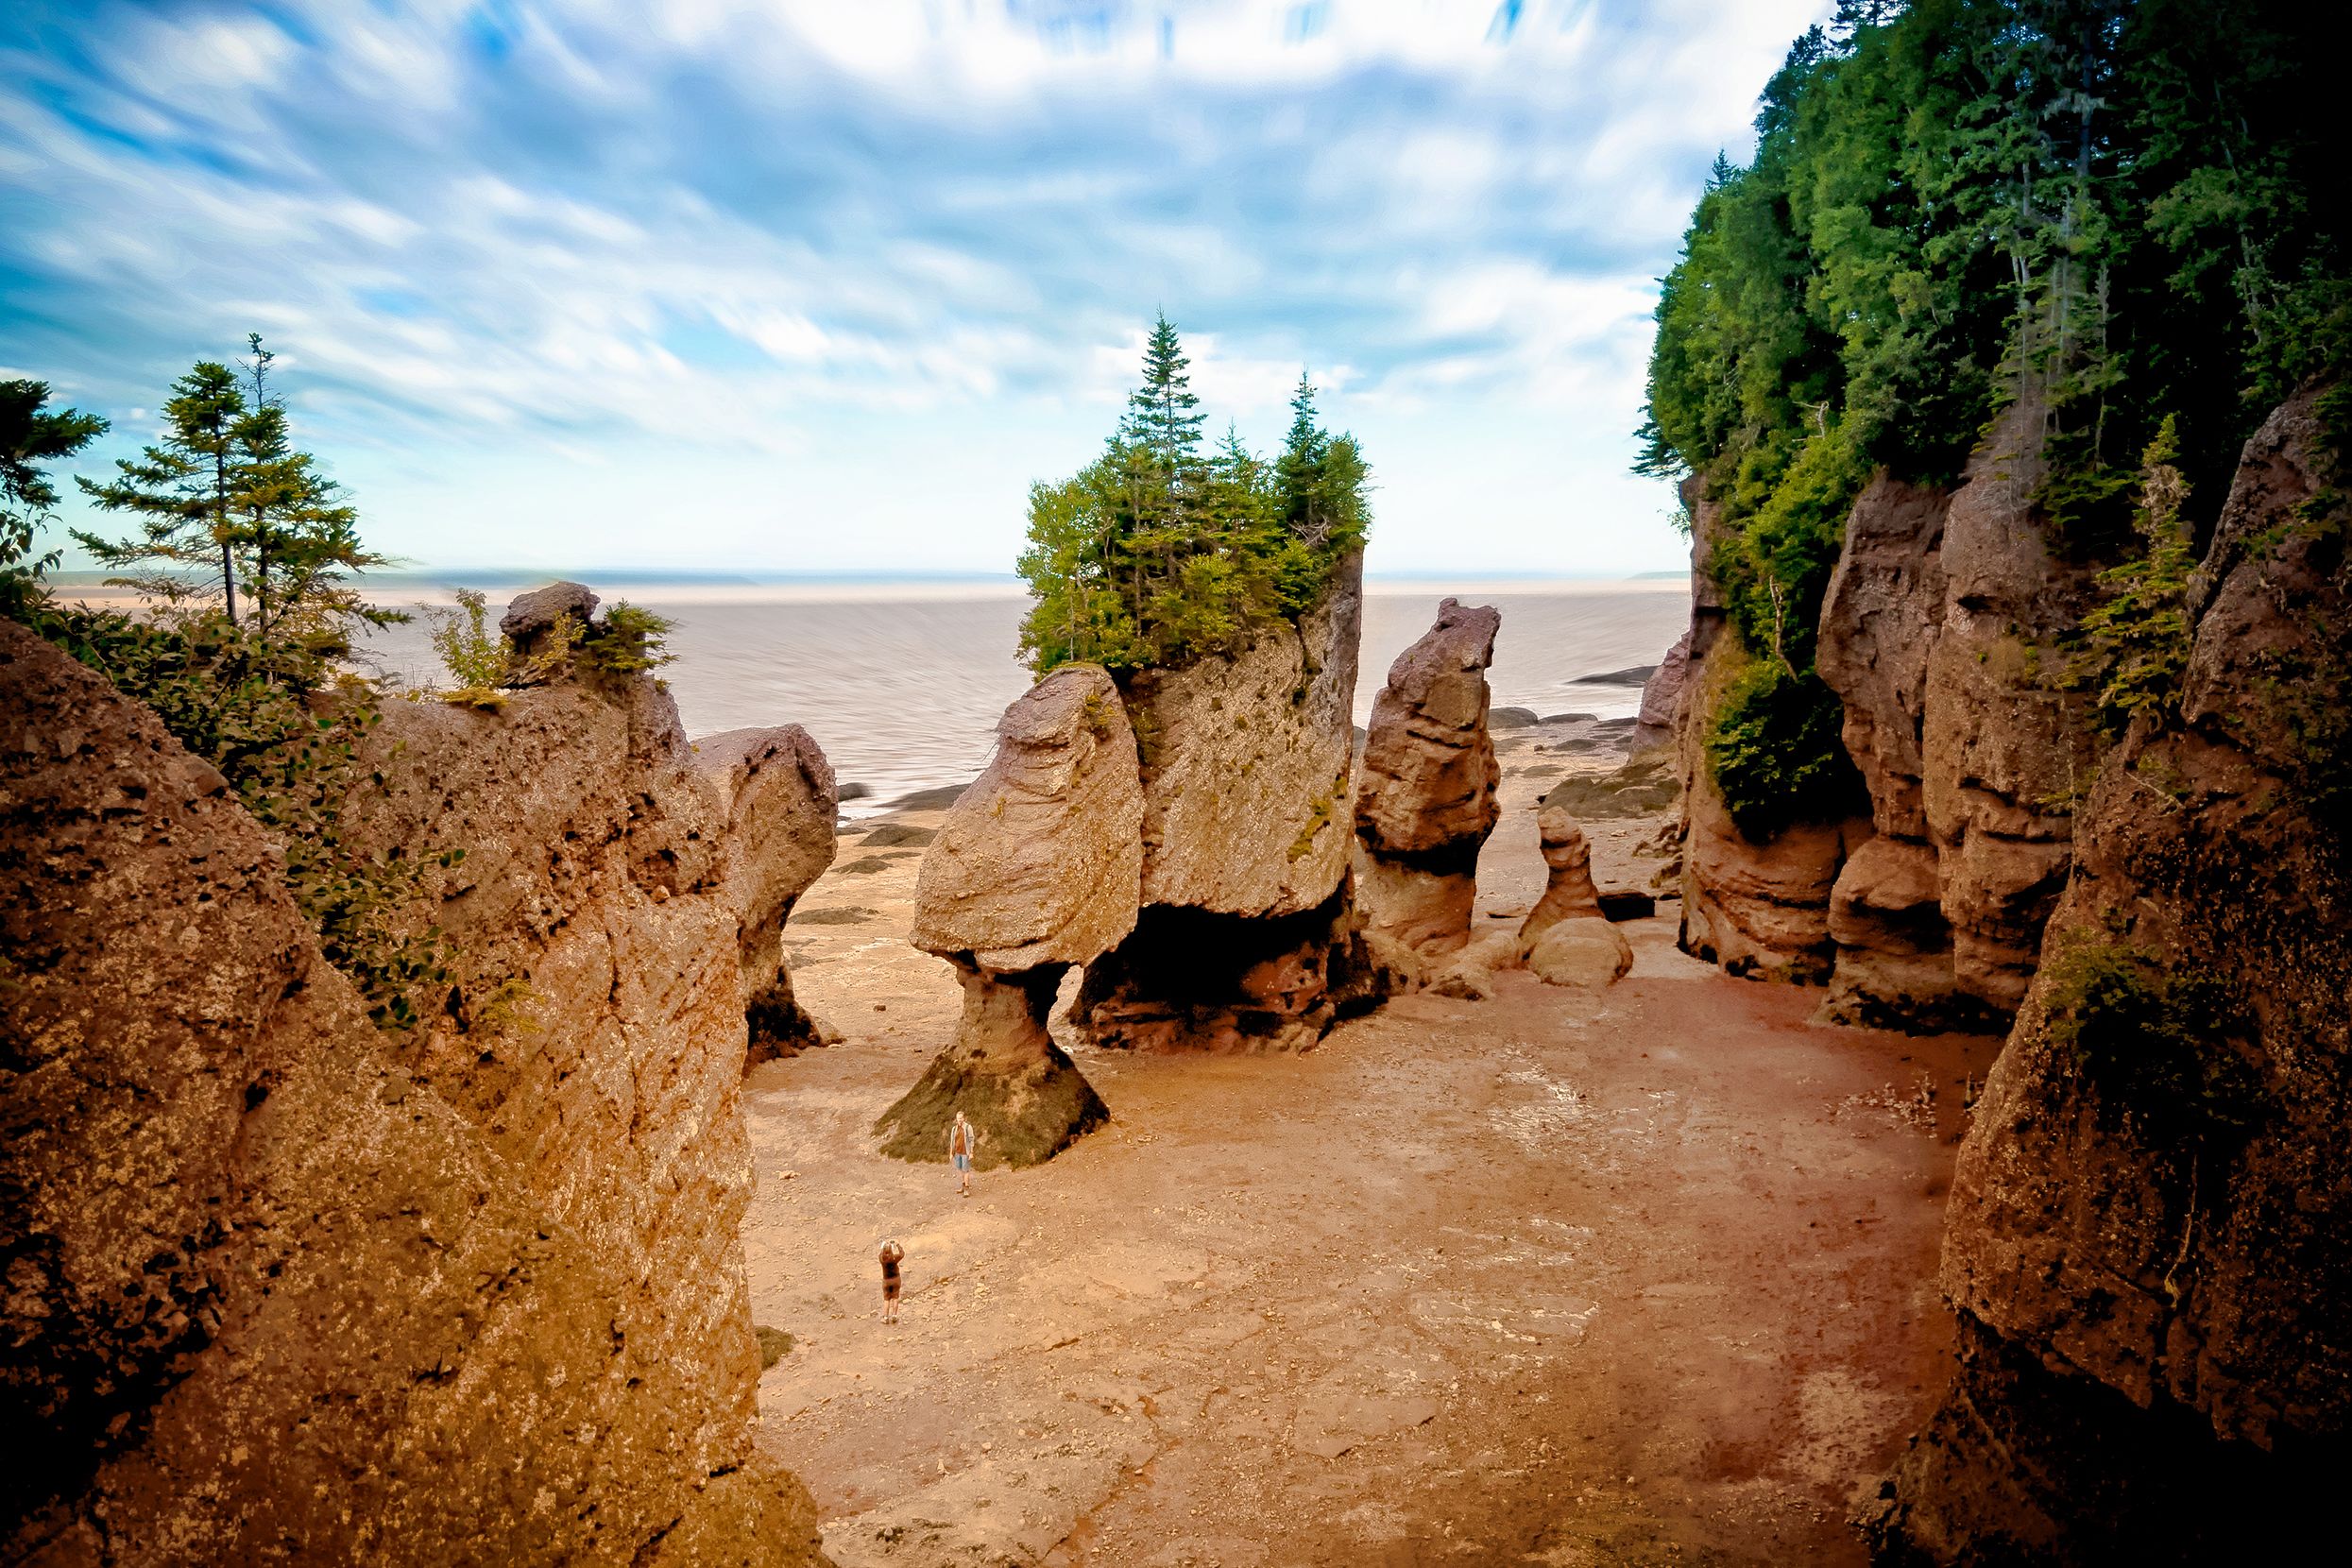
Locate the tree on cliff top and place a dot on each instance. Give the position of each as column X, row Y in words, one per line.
column 2121, row 211
column 226, row 491
column 1154, row 555
column 28, row 438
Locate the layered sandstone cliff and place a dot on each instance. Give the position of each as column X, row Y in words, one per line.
column 283, row 1286
column 1246, row 933
column 2150, row 1230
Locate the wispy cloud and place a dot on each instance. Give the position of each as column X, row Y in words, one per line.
column 770, row 230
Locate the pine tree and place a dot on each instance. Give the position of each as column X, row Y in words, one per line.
column 297, row 535
column 184, row 488
column 1163, row 416
column 29, row 438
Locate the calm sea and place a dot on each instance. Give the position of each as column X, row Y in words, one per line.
column 902, row 683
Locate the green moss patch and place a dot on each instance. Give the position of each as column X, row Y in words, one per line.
column 1024, row 1117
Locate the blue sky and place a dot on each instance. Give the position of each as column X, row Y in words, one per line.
column 823, row 284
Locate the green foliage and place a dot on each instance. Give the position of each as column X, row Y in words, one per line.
column 263, row 711
column 1154, row 555
column 1775, row 752
column 2117, row 211
column 226, row 492
column 475, row 656
column 2159, row 1044
column 28, row 438
column 2137, row 641
column 625, row 641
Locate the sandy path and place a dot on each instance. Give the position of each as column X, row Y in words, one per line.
column 1541, row 1279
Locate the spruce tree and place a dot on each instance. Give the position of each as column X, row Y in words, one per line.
column 297, row 534
column 29, row 438
column 184, row 488
column 1163, row 416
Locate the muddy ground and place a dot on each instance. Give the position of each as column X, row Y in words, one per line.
column 1547, row 1278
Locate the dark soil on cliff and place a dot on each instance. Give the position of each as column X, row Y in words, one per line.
column 1545, row 1278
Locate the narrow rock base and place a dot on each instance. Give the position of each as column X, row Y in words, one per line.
column 1188, row 980
column 779, row 1028
column 1025, row 1098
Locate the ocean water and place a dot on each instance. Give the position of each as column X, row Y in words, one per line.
column 902, row 684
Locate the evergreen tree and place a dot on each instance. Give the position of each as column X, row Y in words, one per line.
column 296, row 532
column 1155, row 556
column 184, row 489
column 1163, row 416
column 28, row 437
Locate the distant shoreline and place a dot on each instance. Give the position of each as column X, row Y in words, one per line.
column 403, row 589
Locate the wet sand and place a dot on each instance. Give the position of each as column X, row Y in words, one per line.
column 1546, row 1278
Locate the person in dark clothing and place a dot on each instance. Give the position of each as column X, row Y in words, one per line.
column 892, row 1253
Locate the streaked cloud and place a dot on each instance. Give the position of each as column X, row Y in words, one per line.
column 891, row 257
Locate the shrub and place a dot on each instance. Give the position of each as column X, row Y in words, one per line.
column 1777, row 753
column 2135, row 643
column 627, row 642
column 475, row 656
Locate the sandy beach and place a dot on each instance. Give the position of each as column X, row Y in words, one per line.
column 1546, row 1278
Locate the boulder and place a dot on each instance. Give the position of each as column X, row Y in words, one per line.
column 1038, row 866
column 1590, row 955
column 1424, row 794
column 533, row 623
column 1757, row 908
column 1024, row 1097
column 2149, row 1235
column 1568, row 890
column 284, row 1284
column 1512, row 718
column 777, row 798
column 1469, row 971
column 1245, row 765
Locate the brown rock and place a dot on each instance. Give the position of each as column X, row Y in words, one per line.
column 1894, row 952
column 1248, row 939
column 2003, row 756
column 532, row 625
column 779, row 802
column 1424, row 792
column 1041, row 862
column 2148, row 1233
column 1590, row 955
column 1568, row 891
column 1662, row 698
column 1245, row 765
column 275, row 1290
column 1760, row 909
column 1023, row 1095
column 1038, row 867
column 1429, row 773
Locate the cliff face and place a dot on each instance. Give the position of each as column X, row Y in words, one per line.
column 1758, row 909
column 284, row 1287
column 1939, row 617
column 2148, row 1236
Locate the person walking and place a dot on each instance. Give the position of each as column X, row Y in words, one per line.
column 962, row 1139
column 891, row 1253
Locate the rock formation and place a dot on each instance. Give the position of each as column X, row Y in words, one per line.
column 1757, row 909
column 779, row 807
column 1590, row 954
column 2149, row 1237
column 1938, row 618
column 1662, row 698
column 1246, row 940
column 1424, row 794
column 286, row 1286
column 1568, row 890
column 1039, row 866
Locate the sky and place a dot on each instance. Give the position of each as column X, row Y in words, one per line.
column 824, row 285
